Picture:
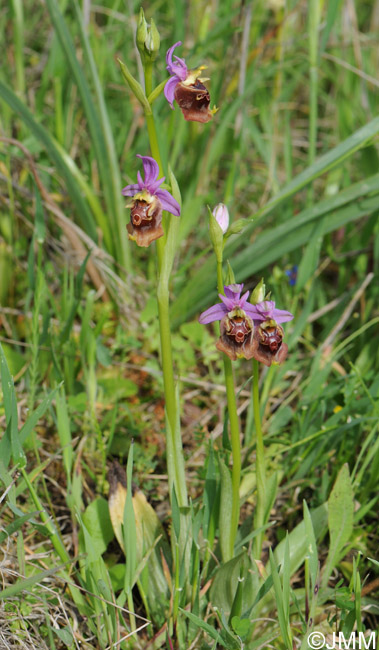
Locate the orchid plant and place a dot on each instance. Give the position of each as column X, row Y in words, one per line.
column 248, row 329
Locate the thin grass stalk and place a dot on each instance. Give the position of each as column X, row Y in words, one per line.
column 95, row 125
column 55, row 539
column 313, row 29
column 123, row 246
column 18, row 37
column 259, row 517
column 234, row 434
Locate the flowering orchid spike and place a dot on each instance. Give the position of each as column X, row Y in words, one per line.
column 186, row 87
column 148, row 202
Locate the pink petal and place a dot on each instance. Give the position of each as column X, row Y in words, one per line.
column 177, row 67
column 233, row 290
column 216, row 312
column 229, row 303
column 140, row 181
column 221, row 214
column 243, row 300
column 130, row 190
column 170, row 51
column 282, row 316
column 252, row 312
column 150, row 169
column 169, row 90
column 267, row 306
column 154, row 186
column 168, row 202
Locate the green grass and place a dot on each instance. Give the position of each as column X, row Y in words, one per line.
column 293, row 151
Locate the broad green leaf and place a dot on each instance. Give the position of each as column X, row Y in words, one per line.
column 205, row 626
column 211, row 498
column 64, row 634
column 263, row 590
column 223, row 590
column 98, row 523
column 10, row 438
column 226, row 503
column 298, row 539
column 130, row 534
column 284, row 622
column 311, row 544
column 241, row 626
column 340, row 519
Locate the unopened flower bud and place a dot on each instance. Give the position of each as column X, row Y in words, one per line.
column 141, row 34
column 258, row 294
column 216, row 235
column 147, row 38
column 153, row 41
column 230, row 278
column 221, row 214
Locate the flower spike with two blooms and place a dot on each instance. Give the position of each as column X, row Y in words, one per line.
column 187, row 88
column 148, row 202
column 249, row 331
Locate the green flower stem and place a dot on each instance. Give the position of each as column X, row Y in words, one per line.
column 259, row 518
column 234, row 432
column 174, row 446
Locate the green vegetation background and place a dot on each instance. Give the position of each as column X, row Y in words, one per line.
column 293, row 149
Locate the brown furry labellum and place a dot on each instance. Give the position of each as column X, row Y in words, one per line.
column 268, row 343
column 194, row 101
column 145, row 221
column 236, row 338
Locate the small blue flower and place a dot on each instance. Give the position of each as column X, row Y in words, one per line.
column 292, row 275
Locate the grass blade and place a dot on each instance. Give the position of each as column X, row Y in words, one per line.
column 340, row 519
column 83, row 212
column 94, row 123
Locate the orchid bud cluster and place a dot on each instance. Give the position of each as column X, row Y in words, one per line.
column 147, row 38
